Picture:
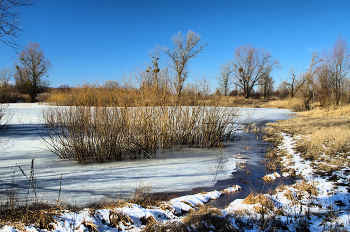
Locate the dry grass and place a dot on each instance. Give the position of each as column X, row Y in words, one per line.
column 330, row 111
column 310, row 122
column 20, row 208
column 328, row 169
column 132, row 94
column 203, row 218
column 143, row 196
column 239, row 101
column 307, row 187
column 175, row 226
column 95, row 95
column 259, row 198
column 116, row 217
column 269, row 178
column 294, row 104
column 22, row 216
column 324, row 136
column 289, row 195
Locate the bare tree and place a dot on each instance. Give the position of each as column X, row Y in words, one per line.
column 9, row 21
column 184, row 50
column 307, row 79
column 31, row 70
column 7, row 93
column 336, row 70
column 293, row 83
column 205, row 85
column 5, row 77
column 109, row 84
column 266, row 85
column 249, row 65
column 224, row 77
column 322, row 86
column 283, row 90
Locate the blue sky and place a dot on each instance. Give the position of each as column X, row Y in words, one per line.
column 89, row 40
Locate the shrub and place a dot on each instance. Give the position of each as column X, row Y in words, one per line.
column 5, row 116
column 102, row 134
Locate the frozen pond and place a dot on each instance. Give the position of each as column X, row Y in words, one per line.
column 180, row 170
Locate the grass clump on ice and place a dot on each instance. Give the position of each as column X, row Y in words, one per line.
column 104, row 134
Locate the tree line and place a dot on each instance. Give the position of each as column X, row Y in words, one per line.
column 326, row 79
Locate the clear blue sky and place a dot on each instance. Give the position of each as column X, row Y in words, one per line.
column 89, row 40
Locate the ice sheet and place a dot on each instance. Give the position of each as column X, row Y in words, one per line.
column 84, row 184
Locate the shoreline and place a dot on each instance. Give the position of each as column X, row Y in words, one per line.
column 320, row 189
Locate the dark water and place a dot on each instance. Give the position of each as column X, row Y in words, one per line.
column 247, row 176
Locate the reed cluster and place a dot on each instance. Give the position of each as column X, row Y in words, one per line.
column 104, row 134
column 90, row 95
column 126, row 96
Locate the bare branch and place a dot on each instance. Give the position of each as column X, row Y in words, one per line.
column 251, row 64
column 9, row 20
column 184, row 50
column 224, row 77
column 335, row 71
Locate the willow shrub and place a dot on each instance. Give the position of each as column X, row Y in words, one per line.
column 5, row 116
column 105, row 134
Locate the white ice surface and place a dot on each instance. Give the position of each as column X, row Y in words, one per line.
column 325, row 201
column 84, row 184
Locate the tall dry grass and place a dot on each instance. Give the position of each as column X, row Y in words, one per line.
column 324, row 136
column 150, row 95
column 21, row 205
column 97, row 95
column 104, row 134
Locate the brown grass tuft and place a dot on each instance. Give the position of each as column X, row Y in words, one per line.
column 91, row 226
column 307, row 187
column 259, row 198
column 289, row 195
column 116, row 217
column 205, row 218
column 174, row 226
column 19, row 217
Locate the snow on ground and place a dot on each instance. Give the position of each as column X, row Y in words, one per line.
column 314, row 202
column 324, row 211
column 21, row 143
column 133, row 215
